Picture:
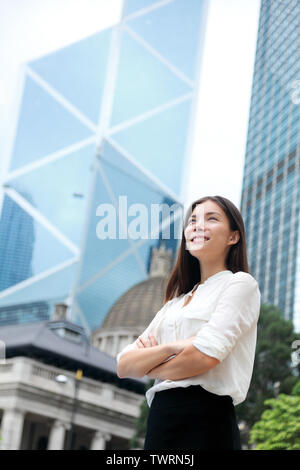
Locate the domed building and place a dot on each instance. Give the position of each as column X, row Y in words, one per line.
column 46, row 361
column 136, row 308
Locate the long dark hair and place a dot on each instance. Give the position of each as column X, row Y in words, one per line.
column 186, row 273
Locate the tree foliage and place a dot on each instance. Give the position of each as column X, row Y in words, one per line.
column 279, row 426
column 273, row 371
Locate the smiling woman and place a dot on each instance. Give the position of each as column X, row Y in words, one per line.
column 223, row 246
column 200, row 346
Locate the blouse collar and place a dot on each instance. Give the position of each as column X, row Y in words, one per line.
column 217, row 275
column 210, row 279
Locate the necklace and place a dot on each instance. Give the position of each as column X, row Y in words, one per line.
column 194, row 288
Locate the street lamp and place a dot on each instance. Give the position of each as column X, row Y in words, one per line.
column 78, row 378
column 63, row 379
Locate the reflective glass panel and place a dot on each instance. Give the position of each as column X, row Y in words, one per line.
column 100, row 252
column 60, row 189
column 114, row 158
column 96, row 300
column 52, row 289
column 27, row 248
column 143, row 82
column 78, row 72
column 132, row 6
column 173, row 30
column 158, row 143
column 44, row 126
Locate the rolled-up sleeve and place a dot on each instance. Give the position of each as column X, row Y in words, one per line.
column 151, row 327
column 129, row 347
column 236, row 312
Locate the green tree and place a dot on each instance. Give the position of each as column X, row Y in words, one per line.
column 273, row 371
column 279, row 426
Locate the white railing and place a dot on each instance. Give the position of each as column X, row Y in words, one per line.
column 30, row 369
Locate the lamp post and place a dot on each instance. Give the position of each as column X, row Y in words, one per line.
column 78, row 378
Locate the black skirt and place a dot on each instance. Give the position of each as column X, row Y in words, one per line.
column 191, row 418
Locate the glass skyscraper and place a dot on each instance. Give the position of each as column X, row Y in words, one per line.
column 271, row 186
column 108, row 117
column 17, row 240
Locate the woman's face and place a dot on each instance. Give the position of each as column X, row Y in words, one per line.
column 208, row 232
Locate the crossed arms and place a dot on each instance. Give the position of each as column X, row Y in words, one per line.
column 149, row 359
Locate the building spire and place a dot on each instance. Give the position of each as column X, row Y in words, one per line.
column 160, row 263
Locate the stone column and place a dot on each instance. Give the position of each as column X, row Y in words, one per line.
column 57, row 435
column 12, row 429
column 103, row 343
column 116, row 345
column 99, row 440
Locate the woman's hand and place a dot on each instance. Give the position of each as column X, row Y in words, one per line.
column 146, row 343
column 177, row 346
column 181, row 344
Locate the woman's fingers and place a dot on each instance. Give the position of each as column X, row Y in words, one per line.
column 139, row 342
column 143, row 342
column 152, row 339
column 146, row 343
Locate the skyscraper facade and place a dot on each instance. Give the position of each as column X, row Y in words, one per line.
column 270, row 200
column 17, row 239
column 104, row 123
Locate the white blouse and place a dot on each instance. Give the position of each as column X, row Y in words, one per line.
column 223, row 315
